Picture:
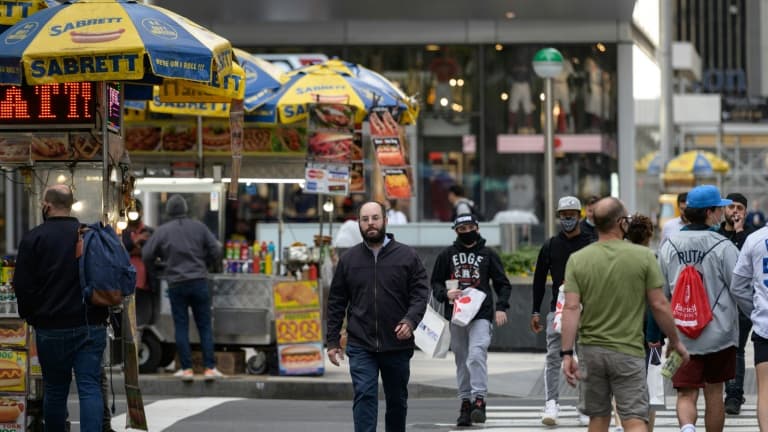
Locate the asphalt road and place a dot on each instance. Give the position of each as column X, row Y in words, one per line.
column 425, row 415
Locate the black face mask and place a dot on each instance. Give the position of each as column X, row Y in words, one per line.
column 469, row 238
column 45, row 209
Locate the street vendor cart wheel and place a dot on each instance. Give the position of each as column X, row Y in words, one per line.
column 257, row 363
column 150, row 353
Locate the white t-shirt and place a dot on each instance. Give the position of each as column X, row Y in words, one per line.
column 396, row 217
column 750, row 265
column 670, row 227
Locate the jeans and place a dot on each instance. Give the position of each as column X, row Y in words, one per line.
column 735, row 387
column 61, row 351
column 470, row 350
column 395, row 367
column 183, row 295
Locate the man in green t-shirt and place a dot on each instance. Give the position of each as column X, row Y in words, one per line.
column 607, row 287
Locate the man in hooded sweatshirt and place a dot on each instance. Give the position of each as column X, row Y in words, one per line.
column 474, row 265
column 187, row 246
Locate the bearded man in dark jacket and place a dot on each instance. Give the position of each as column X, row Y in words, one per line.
column 473, row 265
column 380, row 285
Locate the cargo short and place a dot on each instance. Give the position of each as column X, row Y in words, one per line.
column 607, row 373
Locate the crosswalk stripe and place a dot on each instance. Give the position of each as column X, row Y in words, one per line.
column 164, row 413
column 511, row 418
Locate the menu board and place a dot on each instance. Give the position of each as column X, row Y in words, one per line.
column 298, row 328
column 397, row 183
column 180, row 137
column 13, row 413
column 325, row 178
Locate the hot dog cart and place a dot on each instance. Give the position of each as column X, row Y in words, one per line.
column 243, row 307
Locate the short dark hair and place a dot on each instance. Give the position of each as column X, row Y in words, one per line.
column 381, row 205
column 681, row 198
column 59, row 197
column 697, row 215
column 640, row 229
column 456, row 190
column 607, row 220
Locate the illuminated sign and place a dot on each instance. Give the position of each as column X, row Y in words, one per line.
column 67, row 105
column 114, row 107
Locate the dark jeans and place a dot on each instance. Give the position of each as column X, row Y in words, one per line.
column 61, row 351
column 395, row 368
column 735, row 387
column 183, row 295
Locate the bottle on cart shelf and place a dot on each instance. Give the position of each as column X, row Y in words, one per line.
column 268, row 264
column 312, row 271
column 305, row 272
column 256, row 249
column 228, row 250
column 271, row 249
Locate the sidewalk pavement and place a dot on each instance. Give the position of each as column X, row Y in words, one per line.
column 509, row 375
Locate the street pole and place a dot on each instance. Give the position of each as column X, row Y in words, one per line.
column 548, row 63
column 549, row 161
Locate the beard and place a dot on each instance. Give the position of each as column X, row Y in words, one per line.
column 373, row 235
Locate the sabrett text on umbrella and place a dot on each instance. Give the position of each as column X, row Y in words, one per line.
column 58, row 29
column 84, row 64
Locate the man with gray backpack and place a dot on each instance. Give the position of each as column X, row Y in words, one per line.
column 697, row 264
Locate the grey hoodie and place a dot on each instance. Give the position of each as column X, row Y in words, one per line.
column 716, row 269
column 187, row 246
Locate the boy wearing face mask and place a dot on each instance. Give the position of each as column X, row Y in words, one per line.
column 552, row 258
column 474, row 265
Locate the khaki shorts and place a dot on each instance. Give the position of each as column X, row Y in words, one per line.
column 606, row 373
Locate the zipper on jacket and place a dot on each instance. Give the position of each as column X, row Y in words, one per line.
column 375, row 306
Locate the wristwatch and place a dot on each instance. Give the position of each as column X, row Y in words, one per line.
column 566, row 352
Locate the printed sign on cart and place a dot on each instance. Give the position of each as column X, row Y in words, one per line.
column 13, row 371
column 301, row 359
column 296, row 295
column 13, row 413
column 13, row 332
column 297, row 327
column 328, row 179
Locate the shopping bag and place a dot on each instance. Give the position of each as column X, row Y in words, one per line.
column 432, row 335
column 557, row 321
column 655, row 380
column 466, row 307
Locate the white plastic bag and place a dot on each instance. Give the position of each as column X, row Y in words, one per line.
column 557, row 321
column 655, row 381
column 432, row 335
column 466, row 307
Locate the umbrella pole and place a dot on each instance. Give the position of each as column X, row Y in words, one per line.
column 104, row 152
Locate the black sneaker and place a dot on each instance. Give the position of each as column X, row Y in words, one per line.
column 733, row 405
column 464, row 417
column 478, row 411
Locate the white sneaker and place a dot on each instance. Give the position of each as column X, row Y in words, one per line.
column 583, row 420
column 212, row 374
column 551, row 410
column 186, row 375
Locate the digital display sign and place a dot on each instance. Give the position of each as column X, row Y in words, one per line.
column 114, row 107
column 67, row 105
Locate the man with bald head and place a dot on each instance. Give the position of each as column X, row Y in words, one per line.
column 613, row 280
column 70, row 334
column 381, row 287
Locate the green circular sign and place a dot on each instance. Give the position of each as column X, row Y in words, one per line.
column 548, row 62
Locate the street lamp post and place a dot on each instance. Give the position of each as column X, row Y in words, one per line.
column 548, row 63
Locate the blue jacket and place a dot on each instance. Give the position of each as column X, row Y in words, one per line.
column 376, row 294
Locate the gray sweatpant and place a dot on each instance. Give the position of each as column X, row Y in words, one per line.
column 553, row 361
column 470, row 351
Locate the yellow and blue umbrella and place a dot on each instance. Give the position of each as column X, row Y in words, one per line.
column 262, row 79
column 13, row 11
column 322, row 85
column 374, row 79
column 697, row 163
column 103, row 40
column 650, row 163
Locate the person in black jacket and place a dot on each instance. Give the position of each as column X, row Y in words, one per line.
column 736, row 228
column 70, row 334
column 474, row 265
column 381, row 286
column 552, row 258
